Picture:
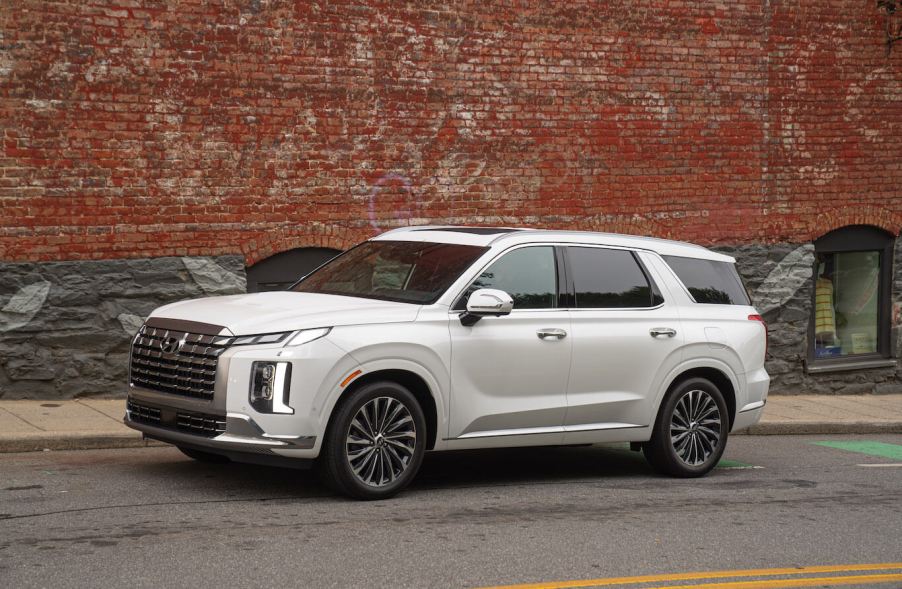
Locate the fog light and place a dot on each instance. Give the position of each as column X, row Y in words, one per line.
column 270, row 383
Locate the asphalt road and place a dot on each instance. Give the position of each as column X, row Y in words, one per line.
column 150, row 517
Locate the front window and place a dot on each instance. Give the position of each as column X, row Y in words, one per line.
column 528, row 275
column 403, row 271
column 851, row 298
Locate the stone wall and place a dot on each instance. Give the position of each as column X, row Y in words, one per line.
column 780, row 279
column 65, row 327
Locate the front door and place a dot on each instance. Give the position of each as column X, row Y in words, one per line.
column 509, row 374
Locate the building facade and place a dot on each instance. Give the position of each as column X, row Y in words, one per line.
column 153, row 151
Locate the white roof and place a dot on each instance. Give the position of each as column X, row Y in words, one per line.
column 508, row 236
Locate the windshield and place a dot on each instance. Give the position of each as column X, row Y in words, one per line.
column 403, row 271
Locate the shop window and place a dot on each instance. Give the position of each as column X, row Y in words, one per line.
column 853, row 273
column 281, row 270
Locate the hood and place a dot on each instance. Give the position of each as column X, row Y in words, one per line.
column 269, row 312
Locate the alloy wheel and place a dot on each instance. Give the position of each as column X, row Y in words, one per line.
column 380, row 442
column 695, row 427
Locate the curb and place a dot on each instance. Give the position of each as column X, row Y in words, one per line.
column 45, row 442
column 801, row 428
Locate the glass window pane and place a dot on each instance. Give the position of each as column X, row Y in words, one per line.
column 846, row 304
column 709, row 281
column 528, row 275
column 403, row 271
column 608, row 279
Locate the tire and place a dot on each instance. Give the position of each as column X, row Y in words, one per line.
column 690, row 433
column 375, row 442
column 202, row 456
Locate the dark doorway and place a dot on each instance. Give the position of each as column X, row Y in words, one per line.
column 281, row 270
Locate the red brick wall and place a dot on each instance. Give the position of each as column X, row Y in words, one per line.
column 140, row 128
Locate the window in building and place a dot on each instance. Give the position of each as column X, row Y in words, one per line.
column 281, row 270
column 853, row 272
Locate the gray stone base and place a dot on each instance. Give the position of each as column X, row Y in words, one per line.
column 780, row 279
column 66, row 327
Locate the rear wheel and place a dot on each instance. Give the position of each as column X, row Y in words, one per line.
column 690, row 434
column 202, row 456
column 376, row 442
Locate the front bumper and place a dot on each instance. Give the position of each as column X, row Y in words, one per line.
column 242, row 439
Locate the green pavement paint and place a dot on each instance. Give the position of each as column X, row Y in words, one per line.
column 891, row 451
column 733, row 464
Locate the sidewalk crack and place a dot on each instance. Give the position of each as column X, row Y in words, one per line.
column 20, row 418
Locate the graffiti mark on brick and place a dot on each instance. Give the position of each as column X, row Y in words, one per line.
column 385, row 212
column 23, row 306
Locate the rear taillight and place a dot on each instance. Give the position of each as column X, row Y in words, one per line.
column 761, row 320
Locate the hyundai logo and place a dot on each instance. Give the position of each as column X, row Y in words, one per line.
column 170, row 345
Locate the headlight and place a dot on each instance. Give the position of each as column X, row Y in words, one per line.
column 308, row 335
column 270, row 387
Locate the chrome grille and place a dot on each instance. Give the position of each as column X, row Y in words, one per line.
column 143, row 413
column 203, row 424
column 189, row 371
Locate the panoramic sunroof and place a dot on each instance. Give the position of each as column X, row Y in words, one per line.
column 473, row 230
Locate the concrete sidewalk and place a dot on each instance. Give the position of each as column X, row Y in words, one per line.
column 27, row 426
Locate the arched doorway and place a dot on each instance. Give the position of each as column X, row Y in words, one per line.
column 281, row 270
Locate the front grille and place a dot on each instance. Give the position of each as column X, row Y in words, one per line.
column 143, row 413
column 203, row 424
column 191, row 422
column 188, row 370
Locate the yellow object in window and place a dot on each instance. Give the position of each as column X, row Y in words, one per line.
column 824, row 314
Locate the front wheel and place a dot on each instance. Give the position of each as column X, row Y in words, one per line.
column 375, row 443
column 690, row 434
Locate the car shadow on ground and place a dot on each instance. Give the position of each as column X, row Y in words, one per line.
column 441, row 470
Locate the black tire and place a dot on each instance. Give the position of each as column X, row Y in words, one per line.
column 394, row 472
column 202, row 456
column 697, row 451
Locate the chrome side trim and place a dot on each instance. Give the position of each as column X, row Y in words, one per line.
column 753, row 406
column 555, row 429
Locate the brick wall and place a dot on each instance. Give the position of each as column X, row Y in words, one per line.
column 141, row 128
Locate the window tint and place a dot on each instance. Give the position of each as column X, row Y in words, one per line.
column 709, row 281
column 403, row 271
column 606, row 278
column 528, row 275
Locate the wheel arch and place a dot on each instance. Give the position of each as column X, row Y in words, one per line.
column 410, row 380
column 719, row 374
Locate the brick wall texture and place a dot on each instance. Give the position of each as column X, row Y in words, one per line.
column 141, row 128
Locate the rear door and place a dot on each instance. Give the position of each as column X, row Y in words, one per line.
column 626, row 336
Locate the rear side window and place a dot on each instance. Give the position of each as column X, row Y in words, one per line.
column 605, row 278
column 710, row 282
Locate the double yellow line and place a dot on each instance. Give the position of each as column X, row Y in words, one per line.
column 890, row 571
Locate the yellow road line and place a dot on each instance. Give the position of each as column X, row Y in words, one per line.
column 786, row 583
column 698, row 576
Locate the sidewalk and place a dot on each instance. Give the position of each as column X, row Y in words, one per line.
column 27, row 426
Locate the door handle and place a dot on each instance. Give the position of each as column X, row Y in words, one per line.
column 656, row 331
column 551, row 332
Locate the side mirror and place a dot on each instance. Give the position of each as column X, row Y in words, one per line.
column 486, row 302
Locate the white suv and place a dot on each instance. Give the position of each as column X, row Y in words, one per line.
column 447, row 338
